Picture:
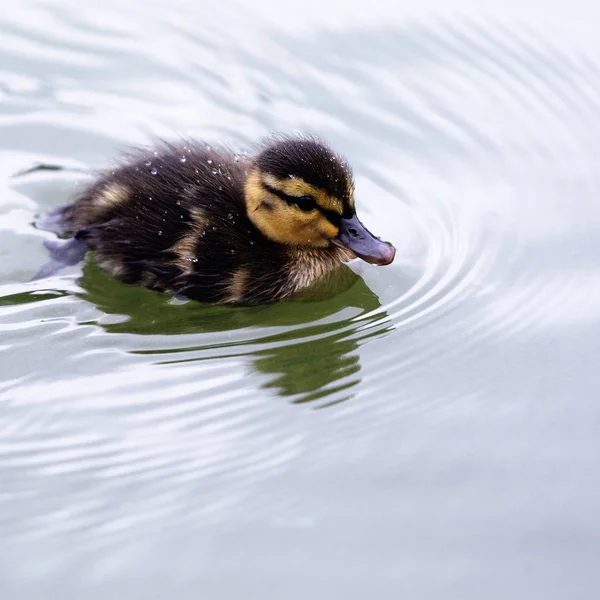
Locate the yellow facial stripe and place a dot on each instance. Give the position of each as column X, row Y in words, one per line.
column 281, row 222
column 298, row 187
column 253, row 190
column 328, row 230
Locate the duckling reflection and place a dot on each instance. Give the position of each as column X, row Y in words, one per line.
column 311, row 354
column 313, row 370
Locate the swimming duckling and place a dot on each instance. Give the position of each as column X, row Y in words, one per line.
column 212, row 226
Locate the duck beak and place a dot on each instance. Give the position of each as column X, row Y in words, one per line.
column 354, row 236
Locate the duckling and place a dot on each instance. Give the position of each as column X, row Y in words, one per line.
column 206, row 224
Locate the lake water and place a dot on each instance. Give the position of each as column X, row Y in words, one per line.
column 432, row 432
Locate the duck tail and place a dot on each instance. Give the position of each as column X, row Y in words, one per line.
column 57, row 220
column 63, row 253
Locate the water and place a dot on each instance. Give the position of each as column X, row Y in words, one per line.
column 432, row 432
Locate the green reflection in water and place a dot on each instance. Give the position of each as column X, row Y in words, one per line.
column 311, row 370
column 31, row 297
column 149, row 313
column 310, row 352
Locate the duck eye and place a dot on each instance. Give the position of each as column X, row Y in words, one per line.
column 306, row 203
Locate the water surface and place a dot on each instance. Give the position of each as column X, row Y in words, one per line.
column 431, row 432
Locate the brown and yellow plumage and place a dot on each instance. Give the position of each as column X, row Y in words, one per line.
column 204, row 223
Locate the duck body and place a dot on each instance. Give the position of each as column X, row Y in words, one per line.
column 204, row 223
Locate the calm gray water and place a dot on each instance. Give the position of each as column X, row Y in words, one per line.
column 431, row 433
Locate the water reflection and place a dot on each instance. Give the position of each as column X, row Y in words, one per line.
column 307, row 346
column 471, row 438
column 312, row 370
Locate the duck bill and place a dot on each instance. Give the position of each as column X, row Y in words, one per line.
column 354, row 236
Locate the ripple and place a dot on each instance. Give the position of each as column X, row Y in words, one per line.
column 116, row 434
column 474, row 148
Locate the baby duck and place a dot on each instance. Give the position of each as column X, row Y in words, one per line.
column 213, row 226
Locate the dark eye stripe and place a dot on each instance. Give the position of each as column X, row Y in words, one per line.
column 331, row 215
